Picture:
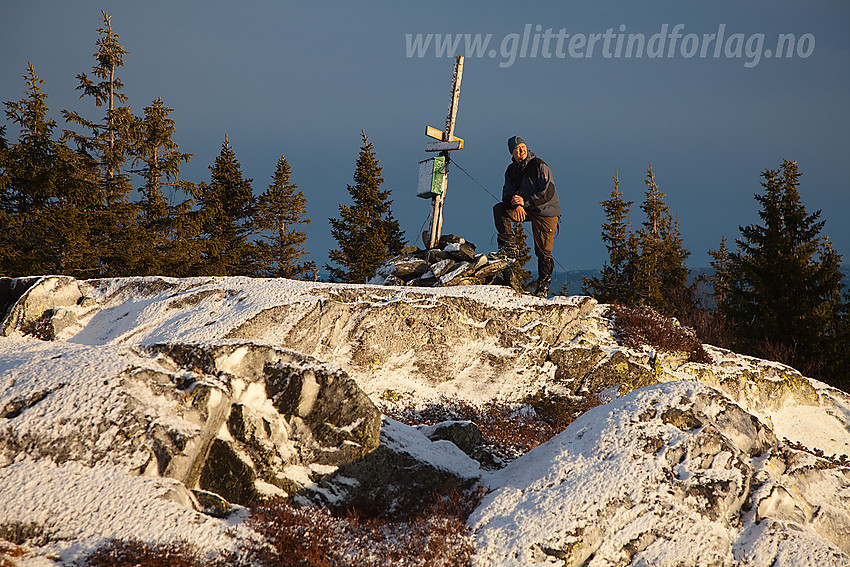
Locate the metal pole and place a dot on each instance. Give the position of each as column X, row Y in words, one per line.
column 448, row 134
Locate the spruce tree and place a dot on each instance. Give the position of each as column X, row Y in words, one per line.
column 114, row 220
column 280, row 211
column 226, row 209
column 44, row 191
column 614, row 284
column 7, row 238
column 719, row 278
column 166, row 236
column 32, row 161
column 366, row 231
column 523, row 256
column 111, row 136
column 646, row 267
column 26, row 183
column 782, row 289
column 660, row 276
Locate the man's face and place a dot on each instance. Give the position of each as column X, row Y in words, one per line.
column 520, row 152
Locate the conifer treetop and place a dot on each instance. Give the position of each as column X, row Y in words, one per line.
column 366, row 232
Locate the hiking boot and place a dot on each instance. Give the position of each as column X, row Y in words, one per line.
column 542, row 289
column 507, row 248
column 507, row 253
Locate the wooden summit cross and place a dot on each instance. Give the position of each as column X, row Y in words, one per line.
column 433, row 173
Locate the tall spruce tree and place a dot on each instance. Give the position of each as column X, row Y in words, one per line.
column 366, row 231
column 280, row 211
column 114, row 221
column 782, row 289
column 226, row 211
column 614, row 284
column 110, row 137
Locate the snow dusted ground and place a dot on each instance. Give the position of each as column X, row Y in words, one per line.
column 79, row 508
column 76, row 508
column 599, row 467
column 604, row 466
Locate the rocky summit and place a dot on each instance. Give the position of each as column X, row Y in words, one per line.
column 155, row 409
column 452, row 262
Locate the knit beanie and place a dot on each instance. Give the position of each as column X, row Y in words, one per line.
column 513, row 142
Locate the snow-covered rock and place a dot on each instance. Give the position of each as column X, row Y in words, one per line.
column 147, row 399
column 668, row 475
column 398, row 477
column 66, row 510
column 234, row 418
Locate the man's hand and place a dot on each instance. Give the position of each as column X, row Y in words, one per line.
column 518, row 214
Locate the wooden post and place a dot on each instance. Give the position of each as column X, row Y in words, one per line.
column 438, row 200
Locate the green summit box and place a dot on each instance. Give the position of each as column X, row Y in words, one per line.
column 432, row 177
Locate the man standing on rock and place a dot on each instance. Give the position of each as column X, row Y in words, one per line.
column 529, row 194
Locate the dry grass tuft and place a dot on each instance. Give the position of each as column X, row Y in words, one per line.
column 20, row 533
column 8, row 552
column 643, row 326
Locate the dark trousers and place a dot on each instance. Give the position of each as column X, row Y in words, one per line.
column 543, row 231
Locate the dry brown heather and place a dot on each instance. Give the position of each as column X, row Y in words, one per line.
column 636, row 327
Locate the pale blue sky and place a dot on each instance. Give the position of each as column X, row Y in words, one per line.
column 302, row 79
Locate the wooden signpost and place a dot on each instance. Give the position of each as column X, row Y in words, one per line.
column 438, row 168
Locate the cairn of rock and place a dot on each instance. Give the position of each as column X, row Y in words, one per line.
column 452, row 262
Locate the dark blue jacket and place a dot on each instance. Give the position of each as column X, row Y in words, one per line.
column 532, row 179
